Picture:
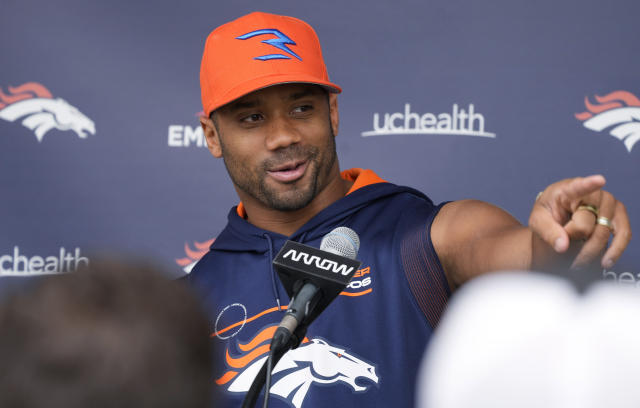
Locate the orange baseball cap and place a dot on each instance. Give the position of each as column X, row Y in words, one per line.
column 256, row 51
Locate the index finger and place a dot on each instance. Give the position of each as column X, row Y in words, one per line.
column 580, row 187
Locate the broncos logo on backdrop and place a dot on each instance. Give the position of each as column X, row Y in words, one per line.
column 41, row 112
column 315, row 361
column 618, row 111
column 193, row 256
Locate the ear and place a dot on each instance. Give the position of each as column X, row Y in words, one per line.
column 333, row 112
column 211, row 135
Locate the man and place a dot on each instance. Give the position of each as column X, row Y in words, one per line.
column 113, row 336
column 272, row 116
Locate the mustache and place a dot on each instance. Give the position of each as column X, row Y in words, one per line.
column 289, row 154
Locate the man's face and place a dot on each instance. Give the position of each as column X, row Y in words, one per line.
column 278, row 144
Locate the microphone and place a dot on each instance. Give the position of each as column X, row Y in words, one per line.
column 313, row 278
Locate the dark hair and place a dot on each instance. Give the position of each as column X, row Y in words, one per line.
column 114, row 335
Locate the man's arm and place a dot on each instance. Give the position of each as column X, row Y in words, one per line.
column 472, row 237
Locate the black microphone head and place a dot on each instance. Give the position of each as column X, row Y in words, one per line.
column 329, row 269
column 341, row 241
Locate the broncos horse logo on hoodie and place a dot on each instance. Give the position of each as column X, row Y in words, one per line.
column 315, row 361
column 41, row 112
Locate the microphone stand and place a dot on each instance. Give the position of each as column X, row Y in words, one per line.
column 294, row 341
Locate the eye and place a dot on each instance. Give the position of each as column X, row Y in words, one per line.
column 254, row 117
column 302, row 109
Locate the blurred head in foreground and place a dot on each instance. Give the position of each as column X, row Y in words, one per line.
column 115, row 335
column 525, row 340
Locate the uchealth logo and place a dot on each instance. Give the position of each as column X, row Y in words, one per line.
column 618, row 113
column 193, row 255
column 315, row 362
column 186, row 135
column 40, row 111
column 625, row 278
column 15, row 263
column 460, row 121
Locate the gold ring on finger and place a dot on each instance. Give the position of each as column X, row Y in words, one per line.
column 604, row 221
column 592, row 209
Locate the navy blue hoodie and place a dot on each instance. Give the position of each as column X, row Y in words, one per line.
column 365, row 348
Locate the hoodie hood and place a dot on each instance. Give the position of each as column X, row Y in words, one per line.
column 239, row 235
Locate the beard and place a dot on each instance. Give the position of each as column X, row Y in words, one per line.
column 301, row 192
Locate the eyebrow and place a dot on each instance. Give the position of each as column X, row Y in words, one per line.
column 236, row 106
column 303, row 93
column 252, row 103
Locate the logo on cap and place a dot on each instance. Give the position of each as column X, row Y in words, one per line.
column 280, row 43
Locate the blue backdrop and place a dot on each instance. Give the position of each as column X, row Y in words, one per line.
column 460, row 99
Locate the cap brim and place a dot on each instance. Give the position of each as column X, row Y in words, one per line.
column 264, row 82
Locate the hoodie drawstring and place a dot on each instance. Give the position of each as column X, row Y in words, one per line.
column 274, row 286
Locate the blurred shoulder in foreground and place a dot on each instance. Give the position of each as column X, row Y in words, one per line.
column 113, row 335
column 529, row 340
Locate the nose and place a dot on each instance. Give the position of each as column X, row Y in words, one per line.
column 281, row 133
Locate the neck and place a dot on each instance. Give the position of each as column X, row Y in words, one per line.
column 288, row 222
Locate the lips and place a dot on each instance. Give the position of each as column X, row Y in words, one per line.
column 289, row 172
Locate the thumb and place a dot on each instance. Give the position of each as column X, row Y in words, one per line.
column 542, row 222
